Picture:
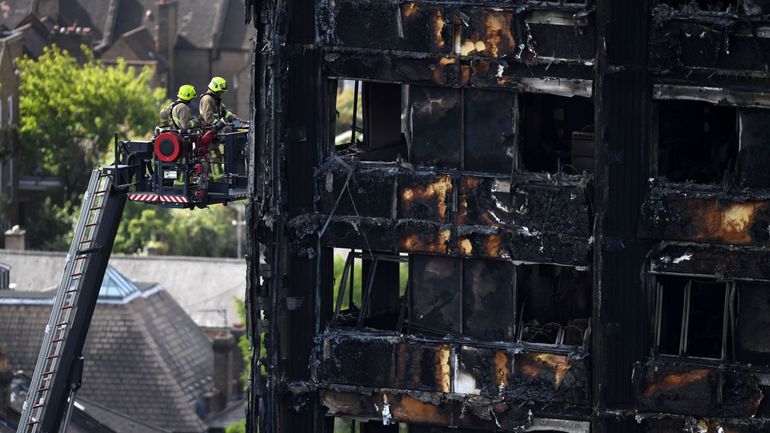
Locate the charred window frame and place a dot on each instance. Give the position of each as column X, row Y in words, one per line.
column 694, row 141
column 488, row 300
column 554, row 305
column 555, row 133
column 370, row 291
column 366, row 120
column 686, row 314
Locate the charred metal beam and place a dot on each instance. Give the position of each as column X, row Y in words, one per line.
column 697, row 389
column 517, row 371
column 562, row 79
column 702, row 213
column 384, row 206
column 444, row 410
column 713, row 95
column 723, row 262
column 677, row 424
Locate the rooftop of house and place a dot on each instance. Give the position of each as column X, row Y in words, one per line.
column 13, row 12
column 201, row 24
column 146, row 360
column 206, row 288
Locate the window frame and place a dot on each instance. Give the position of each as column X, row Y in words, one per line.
column 728, row 318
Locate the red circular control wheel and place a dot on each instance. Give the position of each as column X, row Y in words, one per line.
column 168, row 146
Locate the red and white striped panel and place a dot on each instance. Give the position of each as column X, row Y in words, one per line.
column 173, row 199
column 147, row 198
column 155, row 198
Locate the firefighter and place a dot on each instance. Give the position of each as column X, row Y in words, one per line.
column 211, row 107
column 178, row 114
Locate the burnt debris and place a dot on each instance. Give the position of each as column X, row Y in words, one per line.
column 539, row 216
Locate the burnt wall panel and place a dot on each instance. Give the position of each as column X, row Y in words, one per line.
column 704, row 214
column 404, row 363
column 725, row 262
column 488, row 33
column 404, row 26
column 488, row 300
column 437, row 119
column 489, row 131
column 696, row 389
column 540, row 219
column 437, row 302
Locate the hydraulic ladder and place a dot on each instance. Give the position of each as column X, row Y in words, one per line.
column 60, row 363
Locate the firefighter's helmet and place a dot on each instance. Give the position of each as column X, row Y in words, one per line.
column 186, row 92
column 218, row 84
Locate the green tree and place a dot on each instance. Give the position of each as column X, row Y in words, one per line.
column 180, row 232
column 70, row 110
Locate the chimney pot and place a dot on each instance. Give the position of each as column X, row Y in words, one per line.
column 15, row 239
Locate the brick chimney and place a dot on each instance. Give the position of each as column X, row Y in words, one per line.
column 15, row 239
column 225, row 375
column 167, row 33
column 5, row 386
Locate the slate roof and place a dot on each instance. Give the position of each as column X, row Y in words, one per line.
column 235, row 34
column 145, row 358
column 204, row 287
column 137, row 13
column 141, row 42
column 97, row 14
column 200, row 22
column 13, row 12
column 112, row 419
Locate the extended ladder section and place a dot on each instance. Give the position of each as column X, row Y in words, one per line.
column 59, row 364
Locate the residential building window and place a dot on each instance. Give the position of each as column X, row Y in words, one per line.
column 694, row 317
column 696, row 141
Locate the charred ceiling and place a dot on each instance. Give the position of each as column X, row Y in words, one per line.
column 510, row 216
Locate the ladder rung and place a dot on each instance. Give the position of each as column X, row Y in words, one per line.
column 76, row 275
column 80, row 257
column 67, row 307
column 48, row 373
column 58, row 340
column 33, row 422
column 42, row 390
column 37, row 406
column 86, row 241
column 71, row 291
column 91, row 225
column 95, row 208
column 88, row 250
column 62, row 324
column 102, row 191
column 53, row 356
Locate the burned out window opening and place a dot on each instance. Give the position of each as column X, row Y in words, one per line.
column 479, row 298
column 370, row 289
column 556, row 133
column 695, row 141
column 752, row 344
column 694, row 317
column 368, row 120
column 554, row 304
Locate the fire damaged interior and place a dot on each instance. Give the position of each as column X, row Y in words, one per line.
column 512, row 216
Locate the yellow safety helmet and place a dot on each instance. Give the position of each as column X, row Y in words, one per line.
column 186, row 92
column 218, row 84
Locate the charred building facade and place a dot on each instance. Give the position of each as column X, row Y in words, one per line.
column 549, row 216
